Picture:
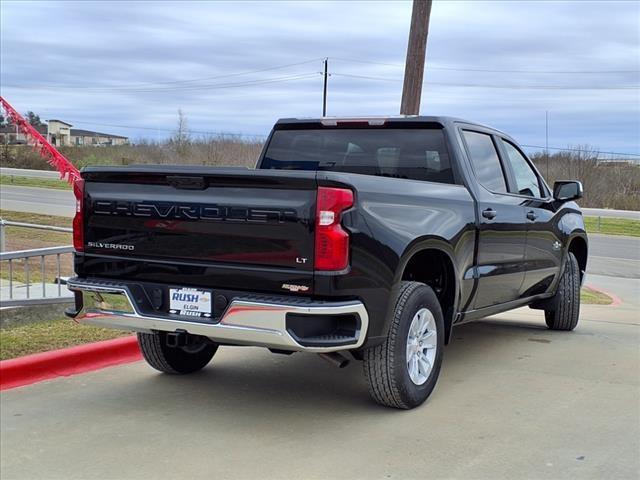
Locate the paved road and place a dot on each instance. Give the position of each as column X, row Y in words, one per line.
column 606, row 212
column 23, row 172
column 615, row 256
column 515, row 400
column 46, row 201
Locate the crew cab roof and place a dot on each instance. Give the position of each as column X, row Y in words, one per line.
column 441, row 120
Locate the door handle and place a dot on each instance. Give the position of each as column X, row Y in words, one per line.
column 489, row 213
column 531, row 215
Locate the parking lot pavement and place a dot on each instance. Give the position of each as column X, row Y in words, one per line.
column 514, row 400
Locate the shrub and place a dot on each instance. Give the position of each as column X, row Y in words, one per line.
column 607, row 184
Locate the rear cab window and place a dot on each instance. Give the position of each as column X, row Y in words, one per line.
column 409, row 153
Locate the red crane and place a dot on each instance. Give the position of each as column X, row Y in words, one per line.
column 67, row 170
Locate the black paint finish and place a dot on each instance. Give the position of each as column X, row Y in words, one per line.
column 253, row 231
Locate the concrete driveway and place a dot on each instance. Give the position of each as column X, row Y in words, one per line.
column 514, row 400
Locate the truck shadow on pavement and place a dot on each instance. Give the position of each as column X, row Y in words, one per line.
column 241, row 381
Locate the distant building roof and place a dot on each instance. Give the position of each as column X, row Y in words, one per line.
column 59, row 121
column 77, row 132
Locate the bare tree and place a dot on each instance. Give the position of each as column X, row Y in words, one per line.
column 181, row 139
column 612, row 184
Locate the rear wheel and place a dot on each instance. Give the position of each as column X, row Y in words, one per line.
column 193, row 356
column 564, row 308
column 403, row 371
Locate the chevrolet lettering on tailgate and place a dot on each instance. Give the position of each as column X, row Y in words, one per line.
column 193, row 212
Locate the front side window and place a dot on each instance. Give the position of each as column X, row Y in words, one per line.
column 411, row 153
column 526, row 179
column 485, row 161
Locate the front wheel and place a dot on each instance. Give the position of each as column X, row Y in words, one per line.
column 176, row 360
column 403, row 371
column 565, row 306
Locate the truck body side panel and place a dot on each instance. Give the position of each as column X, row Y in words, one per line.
column 392, row 219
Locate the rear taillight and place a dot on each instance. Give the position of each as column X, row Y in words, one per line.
column 78, row 219
column 332, row 242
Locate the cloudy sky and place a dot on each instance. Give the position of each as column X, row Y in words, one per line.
column 127, row 67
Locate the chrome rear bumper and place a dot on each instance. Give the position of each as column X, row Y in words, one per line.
column 244, row 321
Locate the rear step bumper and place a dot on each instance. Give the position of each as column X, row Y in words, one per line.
column 314, row 326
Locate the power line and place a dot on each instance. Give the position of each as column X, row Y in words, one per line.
column 265, row 81
column 238, row 134
column 159, row 129
column 513, row 87
column 581, row 150
column 194, row 87
column 460, row 69
column 150, row 84
column 189, row 84
column 257, row 135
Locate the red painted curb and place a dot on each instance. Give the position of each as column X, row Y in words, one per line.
column 615, row 300
column 67, row 361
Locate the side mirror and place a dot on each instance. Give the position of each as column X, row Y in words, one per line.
column 567, row 190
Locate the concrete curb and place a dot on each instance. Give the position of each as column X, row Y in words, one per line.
column 30, row 369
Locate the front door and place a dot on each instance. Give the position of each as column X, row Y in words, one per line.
column 543, row 254
column 502, row 228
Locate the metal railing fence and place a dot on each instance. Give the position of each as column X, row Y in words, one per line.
column 29, row 292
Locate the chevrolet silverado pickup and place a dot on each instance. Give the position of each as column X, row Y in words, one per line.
column 353, row 238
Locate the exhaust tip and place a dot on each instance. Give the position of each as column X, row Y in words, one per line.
column 335, row 359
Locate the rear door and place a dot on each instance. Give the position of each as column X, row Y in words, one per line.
column 502, row 230
column 543, row 254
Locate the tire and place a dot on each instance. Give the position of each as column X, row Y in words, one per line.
column 386, row 365
column 565, row 305
column 175, row 360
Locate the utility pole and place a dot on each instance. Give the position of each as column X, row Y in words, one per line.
column 416, row 51
column 324, row 91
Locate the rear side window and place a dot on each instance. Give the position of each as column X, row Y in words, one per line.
column 526, row 179
column 485, row 161
column 411, row 153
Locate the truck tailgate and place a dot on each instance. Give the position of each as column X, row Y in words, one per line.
column 181, row 215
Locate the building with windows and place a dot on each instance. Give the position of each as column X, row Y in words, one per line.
column 60, row 134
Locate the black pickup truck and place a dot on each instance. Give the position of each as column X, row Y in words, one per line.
column 372, row 237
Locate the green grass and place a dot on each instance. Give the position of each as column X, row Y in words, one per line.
column 20, row 238
column 612, row 226
column 34, row 182
column 45, row 336
column 35, row 218
column 594, row 297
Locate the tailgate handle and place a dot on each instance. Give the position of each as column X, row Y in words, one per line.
column 187, row 183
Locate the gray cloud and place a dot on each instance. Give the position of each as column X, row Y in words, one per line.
column 80, row 61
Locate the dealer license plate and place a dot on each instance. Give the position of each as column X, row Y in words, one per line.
column 190, row 301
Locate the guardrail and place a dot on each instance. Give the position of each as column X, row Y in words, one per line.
column 28, row 292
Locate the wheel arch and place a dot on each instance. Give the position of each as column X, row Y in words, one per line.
column 430, row 261
column 579, row 247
